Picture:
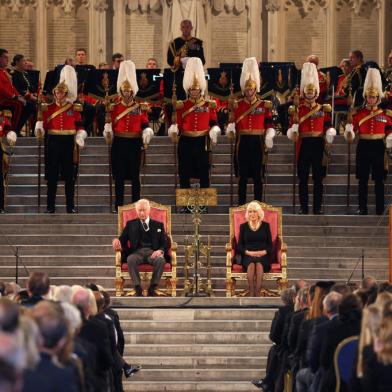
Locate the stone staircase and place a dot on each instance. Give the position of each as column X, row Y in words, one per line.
column 206, row 344
column 224, row 345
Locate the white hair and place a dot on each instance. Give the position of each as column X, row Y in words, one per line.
column 253, row 205
column 142, row 202
column 62, row 294
column 72, row 315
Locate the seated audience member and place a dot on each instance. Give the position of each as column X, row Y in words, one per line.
column 143, row 241
column 48, row 376
column 103, row 66
column 254, row 247
column 275, row 335
column 96, row 334
column 152, row 63
column 368, row 282
column 347, row 324
column 38, row 286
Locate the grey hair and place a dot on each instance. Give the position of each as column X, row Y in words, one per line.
column 331, row 302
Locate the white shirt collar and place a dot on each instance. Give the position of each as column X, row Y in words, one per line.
column 147, row 220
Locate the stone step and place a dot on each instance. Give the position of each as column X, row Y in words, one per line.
column 196, row 325
column 164, row 361
column 206, row 386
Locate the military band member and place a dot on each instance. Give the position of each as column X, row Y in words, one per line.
column 128, row 132
column 310, row 123
column 252, row 123
column 195, row 126
column 388, row 79
column 9, row 96
column 62, row 125
column 372, row 126
column 184, row 47
column 341, row 86
column 10, row 136
column 356, row 77
column 21, row 81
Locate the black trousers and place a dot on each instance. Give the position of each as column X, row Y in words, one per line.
column 249, row 161
column 1, row 180
column 193, row 160
column 311, row 157
column 126, row 159
column 59, row 160
column 370, row 160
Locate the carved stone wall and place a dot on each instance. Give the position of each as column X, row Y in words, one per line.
column 279, row 30
column 24, row 39
column 66, row 32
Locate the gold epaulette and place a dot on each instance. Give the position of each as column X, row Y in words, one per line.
column 43, row 106
column 212, row 104
column 6, row 113
column 388, row 112
column 327, row 108
column 179, row 105
column 267, row 104
column 291, row 110
column 78, row 107
column 145, row 106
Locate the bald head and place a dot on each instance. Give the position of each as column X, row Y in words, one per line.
column 81, row 299
column 312, row 58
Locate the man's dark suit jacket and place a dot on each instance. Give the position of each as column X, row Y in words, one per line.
column 278, row 322
column 131, row 240
column 47, row 377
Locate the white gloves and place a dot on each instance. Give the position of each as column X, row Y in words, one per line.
column 80, row 137
column 108, row 131
column 349, row 134
column 11, row 138
column 147, row 135
column 330, row 134
column 173, row 132
column 230, row 130
column 292, row 133
column 39, row 129
column 389, row 140
column 269, row 137
column 214, row 132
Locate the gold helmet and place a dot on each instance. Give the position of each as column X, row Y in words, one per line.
column 250, row 75
column 126, row 80
column 373, row 84
column 309, row 80
column 126, row 86
column 194, row 76
column 62, row 87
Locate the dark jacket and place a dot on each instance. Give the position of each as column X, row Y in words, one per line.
column 277, row 324
column 47, row 377
column 130, row 237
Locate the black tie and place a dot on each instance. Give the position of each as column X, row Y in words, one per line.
column 145, row 226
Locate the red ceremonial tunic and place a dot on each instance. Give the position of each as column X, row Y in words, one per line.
column 322, row 86
column 256, row 121
column 129, row 124
column 194, row 118
column 7, row 90
column 5, row 124
column 61, row 120
column 372, row 124
column 340, row 93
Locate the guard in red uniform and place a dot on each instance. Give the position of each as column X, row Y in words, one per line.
column 129, row 133
column 62, row 124
column 310, row 122
column 5, row 132
column 9, row 96
column 252, row 123
column 195, row 126
column 372, row 126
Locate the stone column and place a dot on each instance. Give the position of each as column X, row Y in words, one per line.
column 119, row 27
column 97, row 32
column 330, row 11
column 42, row 38
column 277, row 35
column 382, row 32
column 255, row 32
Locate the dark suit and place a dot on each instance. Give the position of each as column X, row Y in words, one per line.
column 47, row 377
column 136, row 253
column 96, row 333
column 335, row 333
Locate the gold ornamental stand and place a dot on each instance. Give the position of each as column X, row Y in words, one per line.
column 196, row 200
